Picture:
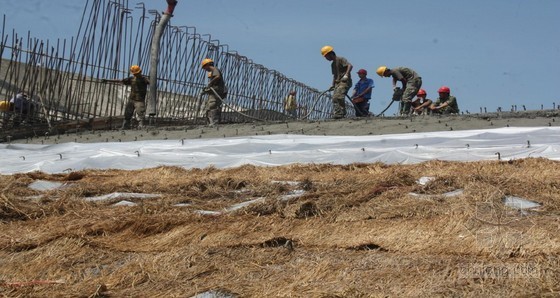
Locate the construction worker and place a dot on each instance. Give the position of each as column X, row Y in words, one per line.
column 216, row 91
column 5, row 109
column 362, row 94
column 445, row 104
column 4, row 106
column 420, row 104
column 22, row 108
column 411, row 83
column 290, row 104
column 137, row 98
column 342, row 80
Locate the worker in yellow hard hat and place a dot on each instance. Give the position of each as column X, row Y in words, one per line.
column 410, row 80
column 4, row 106
column 5, row 114
column 136, row 104
column 342, row 80
column 216, row 91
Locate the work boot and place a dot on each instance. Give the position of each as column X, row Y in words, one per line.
column 338, row 116
column 406, row 108
column 212, row 118
column 125, row 124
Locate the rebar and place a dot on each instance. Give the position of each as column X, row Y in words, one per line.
column 63, row 79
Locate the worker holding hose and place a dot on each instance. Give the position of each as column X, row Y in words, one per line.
column 342, row 81
column 216, row 91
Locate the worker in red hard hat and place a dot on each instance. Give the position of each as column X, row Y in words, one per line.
column 445, row 104
column 362, row 94
column 420, row 104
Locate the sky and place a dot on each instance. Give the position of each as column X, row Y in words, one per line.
column 491, row 53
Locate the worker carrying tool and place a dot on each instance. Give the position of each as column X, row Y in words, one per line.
column 342, row 80
column 216, row 91
column 136, row 104
column 5, row 106
column 410, row 80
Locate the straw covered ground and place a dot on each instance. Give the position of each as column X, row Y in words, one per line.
column 358, row 230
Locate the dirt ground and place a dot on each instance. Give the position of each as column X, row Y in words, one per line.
column 349, row 126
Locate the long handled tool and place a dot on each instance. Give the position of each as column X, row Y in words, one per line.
column 198, row 105
column 357, row 108
column 397, row 96
column 388, row 106
column 227, row 105
column 317, row 100
column 314, row 104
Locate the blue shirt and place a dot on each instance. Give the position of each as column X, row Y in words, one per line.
column 362, row 85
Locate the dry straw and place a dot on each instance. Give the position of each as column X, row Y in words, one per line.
column 307, row 231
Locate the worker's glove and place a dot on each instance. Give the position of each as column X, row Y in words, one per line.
column 103, row 81
column 207, row 90
column 331, row 88
column 344, row 78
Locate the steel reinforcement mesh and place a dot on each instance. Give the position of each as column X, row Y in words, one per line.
column 63, row 78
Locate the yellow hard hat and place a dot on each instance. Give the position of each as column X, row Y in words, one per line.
column 381, row 70
column 325, row 50
column 135, row 69
column 206, row 61
column 4, row 106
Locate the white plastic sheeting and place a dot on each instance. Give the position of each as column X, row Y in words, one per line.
column 273, row 150
column 121, row 195
column 520, row 203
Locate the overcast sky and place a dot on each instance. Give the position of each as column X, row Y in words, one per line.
column 490, row 53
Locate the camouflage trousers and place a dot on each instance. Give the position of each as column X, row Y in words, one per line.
column 213, row 103
column 339, row 105
column 410, row 92
column 134, row 108
column 214, row 109
column 292, row 113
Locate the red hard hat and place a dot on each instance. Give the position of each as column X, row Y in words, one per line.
column 421, row 92
column 362, row 71
column 444, row 89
